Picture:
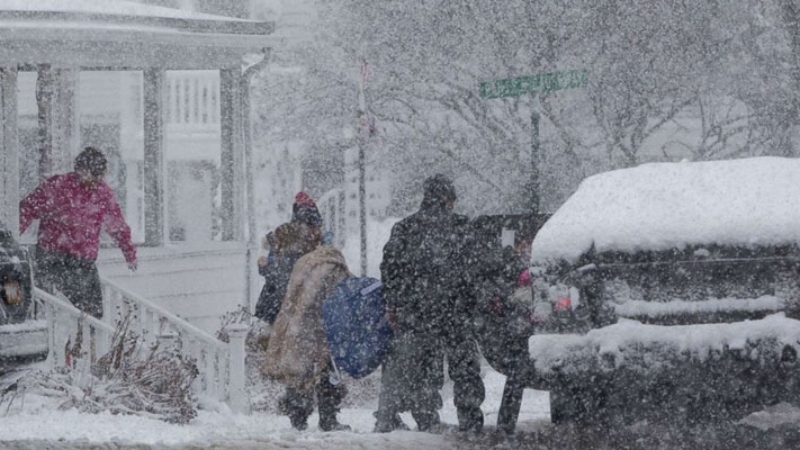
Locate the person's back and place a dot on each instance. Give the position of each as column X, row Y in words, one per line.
column 427, row 300
column 418, row 267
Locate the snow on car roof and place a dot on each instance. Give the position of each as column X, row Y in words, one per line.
column 658, row 206
column 106, row 7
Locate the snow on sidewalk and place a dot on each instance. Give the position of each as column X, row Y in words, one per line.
column 37, row 422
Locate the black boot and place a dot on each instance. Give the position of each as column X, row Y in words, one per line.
column 386, row 423
column 298, row 407
column 470, row 420
column 329, row 397
column 427, row 421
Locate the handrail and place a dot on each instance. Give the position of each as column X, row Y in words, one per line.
column 70, row 309
column 173, row 319
column 220, row 364
column 65, row 322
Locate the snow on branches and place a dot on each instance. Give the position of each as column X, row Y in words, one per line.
column 132, row 378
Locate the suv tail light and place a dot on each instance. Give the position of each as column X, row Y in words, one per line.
column 12, row 292
column 562, row 304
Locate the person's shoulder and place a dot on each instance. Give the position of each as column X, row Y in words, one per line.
column 105, row 190
column 404, row 223
column 62, row 178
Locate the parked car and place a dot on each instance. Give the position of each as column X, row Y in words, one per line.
column 670, row 291
column 23, row 337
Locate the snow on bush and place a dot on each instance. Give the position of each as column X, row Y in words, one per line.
column 130, row 379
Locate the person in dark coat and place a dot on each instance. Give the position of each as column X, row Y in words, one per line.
column 429, row 306
column 288, row 244
column 277, row 268
column 505, row 318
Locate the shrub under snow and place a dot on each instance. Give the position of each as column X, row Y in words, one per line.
column 130, row 379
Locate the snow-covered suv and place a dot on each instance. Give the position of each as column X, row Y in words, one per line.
column 22, row 337
column 669, row 291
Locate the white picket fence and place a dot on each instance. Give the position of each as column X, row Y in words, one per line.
column 221, row 365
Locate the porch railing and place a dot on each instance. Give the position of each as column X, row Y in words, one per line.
column 220, row 364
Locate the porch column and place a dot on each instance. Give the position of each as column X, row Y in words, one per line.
column 232, row 155
column 59, row 126
column 9, row 172
column 154, row 167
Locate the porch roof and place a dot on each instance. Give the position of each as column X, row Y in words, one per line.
column 100, row 34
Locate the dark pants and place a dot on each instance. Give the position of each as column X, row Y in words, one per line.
column 510, row 356
column 299, row 405
column 413, row 375
column 74, row 277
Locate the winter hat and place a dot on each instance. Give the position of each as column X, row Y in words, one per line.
column 437, row 190
column 304, row 210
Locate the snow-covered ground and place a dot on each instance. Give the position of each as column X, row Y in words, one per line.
column 35, row 419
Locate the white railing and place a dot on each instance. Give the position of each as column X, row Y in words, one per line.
column 69, row 328
column 192, row 99
column 220, row 364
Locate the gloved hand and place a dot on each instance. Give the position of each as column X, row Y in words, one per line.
column 391, row 316
column 132, row 266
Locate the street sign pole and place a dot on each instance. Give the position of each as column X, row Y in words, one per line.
column 541, row 83
column 363, row 138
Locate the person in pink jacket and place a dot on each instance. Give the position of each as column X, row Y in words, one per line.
column 71, row 209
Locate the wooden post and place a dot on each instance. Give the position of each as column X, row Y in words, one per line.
column 59, row 128
column 154, row 167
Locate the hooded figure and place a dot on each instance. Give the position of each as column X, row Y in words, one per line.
column 430, row 310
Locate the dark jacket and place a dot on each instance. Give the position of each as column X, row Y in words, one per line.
column 501, row 326
column 423, row 270
column 276, row 278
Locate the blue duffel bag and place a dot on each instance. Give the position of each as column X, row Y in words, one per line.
column 356, row 326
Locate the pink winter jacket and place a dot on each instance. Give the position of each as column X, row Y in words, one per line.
column 71, row 215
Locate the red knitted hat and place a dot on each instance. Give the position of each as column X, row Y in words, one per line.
column 305, row 210
column 303, row 199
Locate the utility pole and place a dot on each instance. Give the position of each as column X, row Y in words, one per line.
column 363, row 137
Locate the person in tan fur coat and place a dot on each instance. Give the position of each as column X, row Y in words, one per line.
column 297, row 354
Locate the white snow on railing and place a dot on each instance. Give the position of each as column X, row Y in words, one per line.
column 220, row 364
column 69, row 327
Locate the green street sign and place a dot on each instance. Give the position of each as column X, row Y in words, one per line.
column 541, row 82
